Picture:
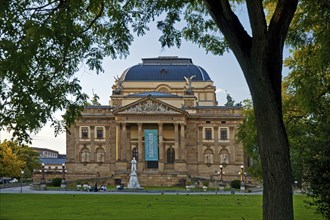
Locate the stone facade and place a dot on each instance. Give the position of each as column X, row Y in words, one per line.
column 194, row 135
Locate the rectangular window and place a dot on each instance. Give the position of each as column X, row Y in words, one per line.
column 208, row 133
column 152, row 164
column 84, row 132
column 99, row 133
column 223, row 134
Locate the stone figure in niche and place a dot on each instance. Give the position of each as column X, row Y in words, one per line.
column 224, row 159
column 208, row 158
column 100, row 157
column 133, row 165
column 85, row 156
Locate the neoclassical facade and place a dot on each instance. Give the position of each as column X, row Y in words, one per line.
column 164, row 113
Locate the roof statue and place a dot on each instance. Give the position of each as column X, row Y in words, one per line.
column 118, row 85
column 188, row 85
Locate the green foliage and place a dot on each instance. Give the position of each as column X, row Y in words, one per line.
column 236, row 184
column 247, row 134
column 15, row 157
column 56, row 181
column 10, row 164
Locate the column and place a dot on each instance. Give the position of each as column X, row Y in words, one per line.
column 200, row 143
column 140, row 147
column 118, row 142
column 92, row 153
column 123, row 142
column 216, row 157
column 107, row 144
column 160, row 143
column 176, row 141
column 182, row 142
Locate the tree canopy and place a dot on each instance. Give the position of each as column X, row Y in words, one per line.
column 15, row 157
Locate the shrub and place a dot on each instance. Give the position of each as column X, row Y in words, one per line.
column 57, row 181
column 236, row 184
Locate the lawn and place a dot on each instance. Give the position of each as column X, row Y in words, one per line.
column 107, row 206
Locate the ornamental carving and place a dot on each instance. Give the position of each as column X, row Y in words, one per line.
column 149, row 106
column 116, row 103
column 188, row 103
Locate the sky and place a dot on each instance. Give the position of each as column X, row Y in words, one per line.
column 223, row 70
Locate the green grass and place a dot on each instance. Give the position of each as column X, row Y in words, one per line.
column 107, row 206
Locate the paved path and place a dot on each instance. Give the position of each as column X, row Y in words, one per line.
column 28, row 190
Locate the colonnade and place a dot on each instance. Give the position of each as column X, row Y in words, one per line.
column 123, row 142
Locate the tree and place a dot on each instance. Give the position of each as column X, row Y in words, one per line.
column 260, row 57
column 15, row 157
column 247, row 134
column 309, row 87
column 10, row 165
column 51, row 38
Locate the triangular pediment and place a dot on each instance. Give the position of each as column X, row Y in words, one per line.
column 149, row 106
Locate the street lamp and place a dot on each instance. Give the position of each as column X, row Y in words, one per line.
column 42, row 182
column 22, row 173
column 242, row 173
column 245, row 174
column 221, row 173
column 63, row 183
column 42, row 173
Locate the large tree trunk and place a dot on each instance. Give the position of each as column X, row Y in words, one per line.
column 274, row 147
column 260, row 58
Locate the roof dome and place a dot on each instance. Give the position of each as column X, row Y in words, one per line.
column 165, row 69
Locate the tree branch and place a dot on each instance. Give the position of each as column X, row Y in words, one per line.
column 231, row 27
column 257, row 18
column 95, row 19
column 276, row 35
column 281, row 19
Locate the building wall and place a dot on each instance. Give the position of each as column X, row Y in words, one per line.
column 184, row 123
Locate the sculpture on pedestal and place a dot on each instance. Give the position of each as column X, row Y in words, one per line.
column 133, row 180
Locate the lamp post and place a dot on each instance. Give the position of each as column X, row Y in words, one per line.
column 245, row 174
column 242, row 172
column 22, row 173
column 242, row 181
column 63, row 183
column 42, row 182
column 221, row 173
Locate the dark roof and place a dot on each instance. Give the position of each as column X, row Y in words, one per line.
column 165, row 69
column 154, row 94
column 50, row 161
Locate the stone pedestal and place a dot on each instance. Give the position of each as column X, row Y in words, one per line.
column 242, row 187
column 221, row 186
column 133, row 181
column 63, row 184
column 42, row 186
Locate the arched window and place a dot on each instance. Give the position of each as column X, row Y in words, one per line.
column 170, row 155
column 135, row 153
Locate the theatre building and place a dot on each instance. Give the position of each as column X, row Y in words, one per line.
column 164, row 113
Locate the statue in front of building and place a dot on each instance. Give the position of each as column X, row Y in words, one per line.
column 133, row 180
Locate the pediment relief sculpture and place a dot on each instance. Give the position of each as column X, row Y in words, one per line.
column 150, row 106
